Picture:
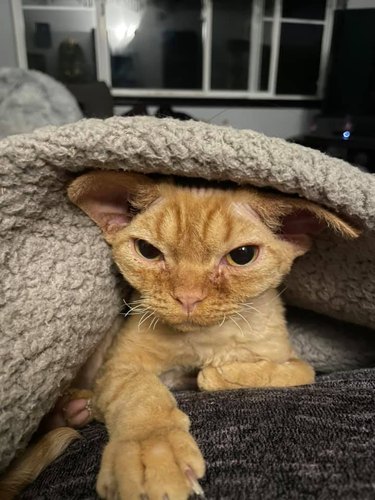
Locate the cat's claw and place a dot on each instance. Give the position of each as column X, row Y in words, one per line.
column 193, row 480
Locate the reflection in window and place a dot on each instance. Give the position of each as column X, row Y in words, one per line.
column 61, row 43
column 230, row 44
column 155, row 44
column 299, row 58
column 299, row 9
column 269, row 6
column 266, row 55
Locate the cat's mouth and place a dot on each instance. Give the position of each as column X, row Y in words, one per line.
column 191, row 323
column 189, row 326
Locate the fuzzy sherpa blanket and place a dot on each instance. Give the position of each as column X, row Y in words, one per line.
column 60, row 292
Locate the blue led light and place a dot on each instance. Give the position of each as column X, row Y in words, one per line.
column 346, row 135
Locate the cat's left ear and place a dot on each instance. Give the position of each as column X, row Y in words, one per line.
column 297, row 220
column 110, row 198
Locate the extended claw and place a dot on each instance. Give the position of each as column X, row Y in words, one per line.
column 193, row 480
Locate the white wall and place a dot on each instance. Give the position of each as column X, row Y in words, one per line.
column 8, row 53
column 275, row 122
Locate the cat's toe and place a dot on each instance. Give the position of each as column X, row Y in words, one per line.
column 77, row 412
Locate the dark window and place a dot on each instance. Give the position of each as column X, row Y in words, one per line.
column 269, row 6
column 266, row 55
column 156, row 44
column 230, row 44
column 299, row 58
column 304, row 9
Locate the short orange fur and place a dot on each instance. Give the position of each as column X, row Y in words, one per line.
column 235, row 336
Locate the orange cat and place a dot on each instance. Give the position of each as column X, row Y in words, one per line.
column 205, row 265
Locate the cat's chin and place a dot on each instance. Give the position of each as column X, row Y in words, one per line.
column 190, row 326
column 187, row 327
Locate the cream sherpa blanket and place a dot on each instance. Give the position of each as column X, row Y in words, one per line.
column 59, row 290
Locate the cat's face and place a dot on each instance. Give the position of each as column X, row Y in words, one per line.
column 197, row 255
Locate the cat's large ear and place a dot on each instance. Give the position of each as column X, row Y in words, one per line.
column 297, row 219
column 111, row 198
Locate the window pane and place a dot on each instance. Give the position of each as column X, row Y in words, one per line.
column 299, row 58
column 155, row 44
column 269, row 6
column 300, row 9
column 230, row 44
column 61, row 43
column 266, row 55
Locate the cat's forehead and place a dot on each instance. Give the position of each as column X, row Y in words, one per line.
column 209, row 199
column 200, row 218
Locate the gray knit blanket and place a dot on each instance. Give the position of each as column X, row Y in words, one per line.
column 60, row 292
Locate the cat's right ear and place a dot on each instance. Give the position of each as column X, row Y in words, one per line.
column 111, row 198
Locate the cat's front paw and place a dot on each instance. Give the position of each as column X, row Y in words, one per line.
column 261, row 373
column 164, row 465
column 210, row 379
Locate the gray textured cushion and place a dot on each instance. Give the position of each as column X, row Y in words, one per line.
column 313, row 442
column 59, row 290
column 30, row 99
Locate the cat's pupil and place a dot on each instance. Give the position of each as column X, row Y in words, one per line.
column 147, row 250
column 243, row 255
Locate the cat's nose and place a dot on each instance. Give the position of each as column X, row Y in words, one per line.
column 189, row 301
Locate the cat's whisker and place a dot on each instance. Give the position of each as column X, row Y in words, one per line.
column 135, row 310
column 223, row 321
column 144, row 318
column 152, row 321
column 243, row 317
column 156, row 322
column 250, row 306
column 134, row 303
column 135, row 313
column 238, row 326
column 274, row 298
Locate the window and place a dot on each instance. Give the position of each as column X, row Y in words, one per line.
column 231, row 26
column 263, row 49
column 60, row 39
column 155, row 44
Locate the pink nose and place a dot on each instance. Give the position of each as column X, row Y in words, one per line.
column 189, row 301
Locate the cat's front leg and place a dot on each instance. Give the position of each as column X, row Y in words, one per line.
column 151, row 453
column 255, row 374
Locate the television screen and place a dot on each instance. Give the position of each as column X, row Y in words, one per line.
column 350, row 87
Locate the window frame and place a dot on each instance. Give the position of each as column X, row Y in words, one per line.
column 207, row 95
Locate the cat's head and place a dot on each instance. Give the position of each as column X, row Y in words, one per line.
column 196, row 255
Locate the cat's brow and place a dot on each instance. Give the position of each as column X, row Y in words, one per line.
column 245, row 209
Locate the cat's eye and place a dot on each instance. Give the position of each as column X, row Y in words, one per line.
column 242, row 255
column 146, row 250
